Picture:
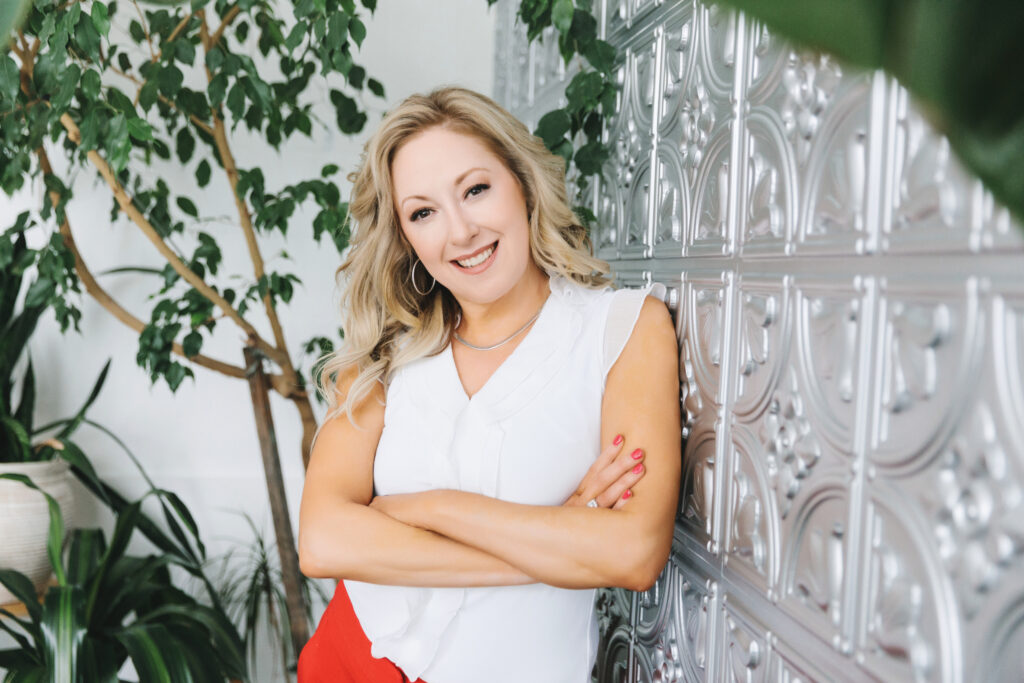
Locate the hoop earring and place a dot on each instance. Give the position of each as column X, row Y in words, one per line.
column 412, row 279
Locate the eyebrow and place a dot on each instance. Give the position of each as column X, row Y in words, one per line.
column 458, row 180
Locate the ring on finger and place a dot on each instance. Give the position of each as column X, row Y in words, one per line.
column 592, row 503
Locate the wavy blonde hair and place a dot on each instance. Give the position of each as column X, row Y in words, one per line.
column 387, row 323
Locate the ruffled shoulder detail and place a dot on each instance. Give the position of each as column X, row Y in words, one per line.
column 574, row 294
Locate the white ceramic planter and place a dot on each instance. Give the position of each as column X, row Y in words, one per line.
column 25, row 518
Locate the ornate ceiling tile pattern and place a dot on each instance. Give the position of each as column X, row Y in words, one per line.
column 850, row 312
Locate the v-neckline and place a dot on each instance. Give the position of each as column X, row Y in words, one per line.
column 516, row 352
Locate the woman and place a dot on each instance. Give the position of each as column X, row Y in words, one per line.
column 460, row 487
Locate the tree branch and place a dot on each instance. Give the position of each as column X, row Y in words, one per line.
column 107, row 301
column 145, row 29
column 228, row 18
column 174, row 34
column 150, row 232
column 245, row 219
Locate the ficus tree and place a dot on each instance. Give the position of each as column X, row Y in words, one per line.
column 176, row 81
column 116, row 86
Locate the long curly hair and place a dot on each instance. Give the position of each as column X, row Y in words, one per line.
column 387, row 323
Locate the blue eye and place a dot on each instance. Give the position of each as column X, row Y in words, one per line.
column 479, row 186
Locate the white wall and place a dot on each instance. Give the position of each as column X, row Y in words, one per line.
column 201, row 442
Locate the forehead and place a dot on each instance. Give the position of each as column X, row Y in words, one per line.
column 435, row 157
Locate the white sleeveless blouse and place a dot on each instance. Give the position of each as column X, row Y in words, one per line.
column 529, row 435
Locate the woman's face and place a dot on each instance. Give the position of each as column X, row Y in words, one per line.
column 464, row 213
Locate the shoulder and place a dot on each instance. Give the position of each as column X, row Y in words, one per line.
column 653, row 338
column 369, row 399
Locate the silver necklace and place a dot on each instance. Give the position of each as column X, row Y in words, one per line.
column 503, row 341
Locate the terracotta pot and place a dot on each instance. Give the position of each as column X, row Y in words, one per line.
column 25, row 518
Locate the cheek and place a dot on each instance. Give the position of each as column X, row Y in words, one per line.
column 425, row 244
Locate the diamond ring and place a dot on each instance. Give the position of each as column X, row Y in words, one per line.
column 592, row 503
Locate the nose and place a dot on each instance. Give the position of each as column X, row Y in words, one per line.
column 463, row 227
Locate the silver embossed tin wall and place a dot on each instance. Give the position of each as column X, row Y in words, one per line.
column 850, row 309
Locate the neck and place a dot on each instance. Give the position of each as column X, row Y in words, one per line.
column 487, row 323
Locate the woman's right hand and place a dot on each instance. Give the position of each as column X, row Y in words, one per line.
column 610, row 479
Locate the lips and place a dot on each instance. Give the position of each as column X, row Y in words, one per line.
column 475, row 257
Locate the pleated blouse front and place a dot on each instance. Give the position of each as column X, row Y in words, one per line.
column 529, row 435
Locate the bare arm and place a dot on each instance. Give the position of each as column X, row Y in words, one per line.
column 341, row 537
column 579, row 547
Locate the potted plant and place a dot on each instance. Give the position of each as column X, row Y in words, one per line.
column 23, row 515
column 108, row 607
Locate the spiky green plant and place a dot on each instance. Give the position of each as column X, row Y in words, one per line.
column 108, row 607
column 251, row 587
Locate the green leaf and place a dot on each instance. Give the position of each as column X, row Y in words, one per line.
column 590, row 157
column 186, row 205
column 357, row 30
column 154, row 653
column 217, row 88
column 85, row 549
column 337, row 29
column 74, row 456
column 20, row 662
column 88, row 38
column 186, row 144
column 148, row 95
column 64, row 629
column 140, row 129
column 40, row 291
column 561, row 15
column 552, row 127
column 601, row 55
column 10, row 79
column 192, row 343
column 203, row 173
column 296, row 35
column 236, row 100
column 99, row 18
column 12, row 13
column 370, row 5
column 228, row 645
column 962, row 85
column 170, row 79
column 21, row 587
column 73, row 423
column 90, row 84
column 584, row 26
column 355, row 77
column 375, row 87
column 584, row 89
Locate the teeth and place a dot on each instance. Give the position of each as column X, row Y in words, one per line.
column 478, row 259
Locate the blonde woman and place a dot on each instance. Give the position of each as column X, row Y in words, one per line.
column 504, row 434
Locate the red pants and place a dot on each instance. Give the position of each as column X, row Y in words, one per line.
column 339, row 651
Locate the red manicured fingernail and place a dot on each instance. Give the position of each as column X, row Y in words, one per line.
column 638, row 469
column 618, row 440
column 627, row 494
column 637, row 454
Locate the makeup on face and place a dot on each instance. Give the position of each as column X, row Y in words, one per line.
column 463, row 212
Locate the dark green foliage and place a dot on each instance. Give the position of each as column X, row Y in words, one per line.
column 591, row 93
column 53, row 266
column 959, row 58
column 109, row 606
column 250, row 586
column 154, row 110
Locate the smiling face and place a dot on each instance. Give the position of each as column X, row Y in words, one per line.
column 464, row 213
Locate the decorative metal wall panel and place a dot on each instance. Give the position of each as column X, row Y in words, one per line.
column 850, row 309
